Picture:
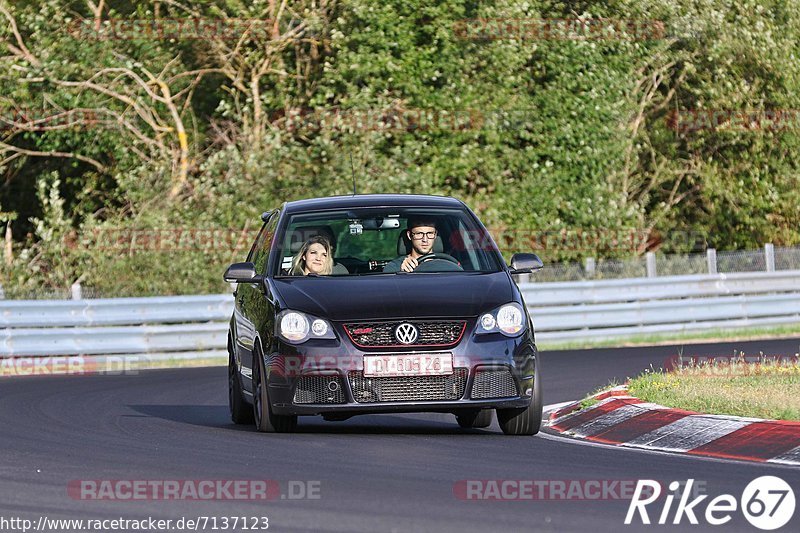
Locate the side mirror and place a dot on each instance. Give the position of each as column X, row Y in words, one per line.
column 525, row 263
column 241, row 273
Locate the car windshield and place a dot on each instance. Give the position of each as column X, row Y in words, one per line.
column 374, row 241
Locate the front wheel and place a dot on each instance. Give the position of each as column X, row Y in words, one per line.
column 266, row 421
column 528, row 420
column 241, row 413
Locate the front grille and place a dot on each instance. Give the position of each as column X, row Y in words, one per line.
column 319, row 389
column 493, row 384
column 408, row 388
column 381, row 334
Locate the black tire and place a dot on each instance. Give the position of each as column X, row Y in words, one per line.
column 266, row 421
column 475, row 419
column 525, row 421
column 241, row 412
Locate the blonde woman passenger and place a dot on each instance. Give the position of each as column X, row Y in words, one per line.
column 315, row 257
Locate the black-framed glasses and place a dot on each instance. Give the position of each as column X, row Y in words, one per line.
column 417, row 235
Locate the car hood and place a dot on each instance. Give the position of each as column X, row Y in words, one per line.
column 395, row 296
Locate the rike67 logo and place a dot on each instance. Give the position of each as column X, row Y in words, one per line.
column 767, row 503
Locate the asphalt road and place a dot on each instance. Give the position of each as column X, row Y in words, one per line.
column 370, row 473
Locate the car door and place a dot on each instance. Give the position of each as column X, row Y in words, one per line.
column 253, row 300
column 244, row 331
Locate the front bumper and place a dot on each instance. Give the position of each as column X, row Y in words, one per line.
column 295, row 374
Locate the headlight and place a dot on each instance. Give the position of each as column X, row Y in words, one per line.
column 507, row 319
column 296, row 327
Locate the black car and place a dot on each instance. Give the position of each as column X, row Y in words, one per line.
column 452, row 335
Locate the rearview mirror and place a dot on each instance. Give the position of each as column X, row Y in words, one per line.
column 241, row 273
column 525, row 263
column 380, row 223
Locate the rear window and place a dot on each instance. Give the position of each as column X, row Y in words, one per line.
column 365, row 241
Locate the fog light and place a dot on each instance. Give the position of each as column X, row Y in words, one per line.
column 487, row 322
column 319, row 327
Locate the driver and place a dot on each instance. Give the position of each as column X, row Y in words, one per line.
column 421, row 233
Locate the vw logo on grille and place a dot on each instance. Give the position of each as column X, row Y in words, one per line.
column 406, row 333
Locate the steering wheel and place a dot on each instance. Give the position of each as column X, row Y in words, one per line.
column 437, row 262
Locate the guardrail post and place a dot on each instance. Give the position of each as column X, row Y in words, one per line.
column 769, row 255
column 76, row 291
column 589, row 266
column 650, row 258
column 8, row 250
column 711, row 259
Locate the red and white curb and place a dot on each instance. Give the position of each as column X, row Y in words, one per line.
column 620, row 419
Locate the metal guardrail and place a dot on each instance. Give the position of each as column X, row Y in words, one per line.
column 562, row 311
column 597, row 310
column 115, row 311
column 114, row 325
column 114, row 340
column 666, row 287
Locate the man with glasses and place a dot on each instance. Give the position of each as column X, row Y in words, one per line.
column 421, row 233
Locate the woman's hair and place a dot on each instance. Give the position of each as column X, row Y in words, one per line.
column 298, row 265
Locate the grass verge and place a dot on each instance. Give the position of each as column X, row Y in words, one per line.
column 766, row 389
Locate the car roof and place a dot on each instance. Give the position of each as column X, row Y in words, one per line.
column 371, row 200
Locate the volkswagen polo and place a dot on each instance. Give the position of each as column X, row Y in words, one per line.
column 448, row 332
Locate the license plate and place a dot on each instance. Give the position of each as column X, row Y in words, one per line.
column 389, row 365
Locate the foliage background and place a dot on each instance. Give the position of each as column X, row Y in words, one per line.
column 197, row 133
